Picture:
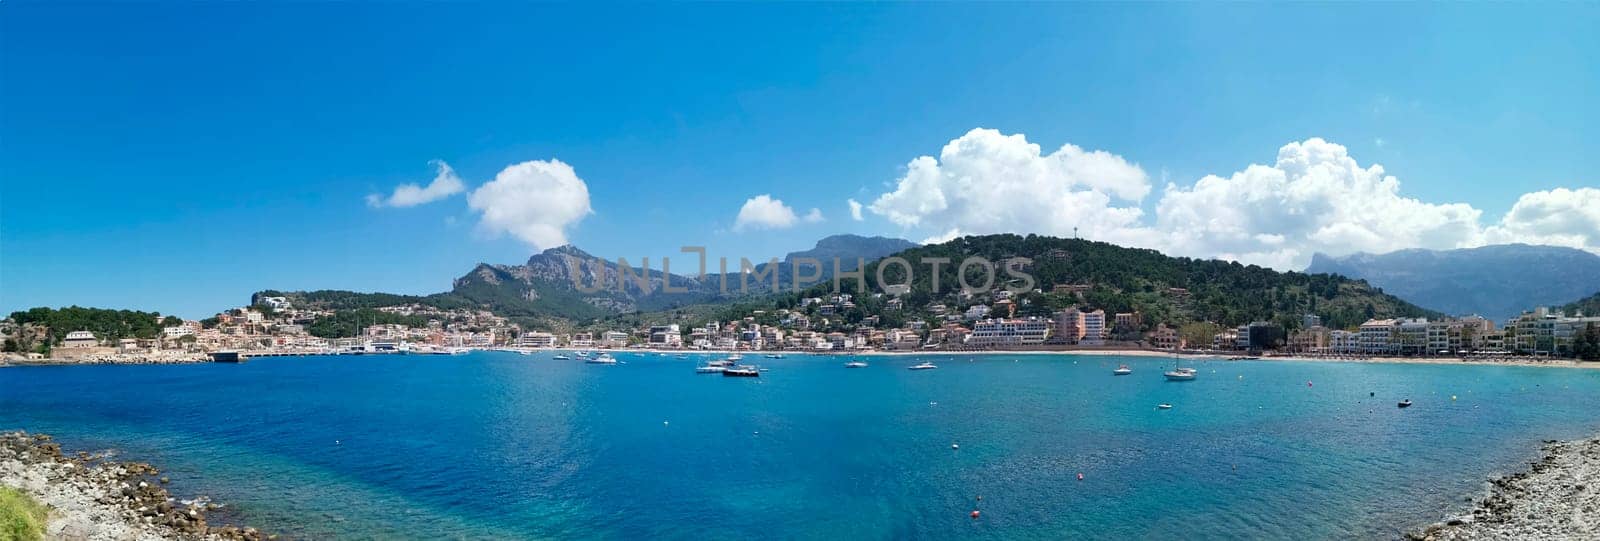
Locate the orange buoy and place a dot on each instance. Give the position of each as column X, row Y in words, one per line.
column 974, row 513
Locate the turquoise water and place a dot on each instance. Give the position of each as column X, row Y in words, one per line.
column 498, row 445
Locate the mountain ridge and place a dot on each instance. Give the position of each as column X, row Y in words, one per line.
column 1496, row 282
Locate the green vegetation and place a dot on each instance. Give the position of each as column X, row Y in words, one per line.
column 348, row 323
column 21, row 518
column 1589, row 306
column 105, row 324
column 1586, row 344
column 1118, row 279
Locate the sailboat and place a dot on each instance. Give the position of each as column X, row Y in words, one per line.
column 1178, row 373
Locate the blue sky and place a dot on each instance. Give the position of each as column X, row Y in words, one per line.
column 176, row 157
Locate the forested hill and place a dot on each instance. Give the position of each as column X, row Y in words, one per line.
column 1588, row 306
column 1122, row 279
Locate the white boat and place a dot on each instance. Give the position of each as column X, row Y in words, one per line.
column 1178, row 373
column 709, row 369
column 736, row 357
column 1163, row 406
column 855, row 364
column 562, row 357
column 524, row 352
column 604, row 358
column 924, row 366
column 1122, row 370
column 774, row 356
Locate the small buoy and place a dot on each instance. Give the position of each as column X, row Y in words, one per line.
column 756, row 433
column 974, row 513
column 664, row 423
column 1452, row 397
column 1308, row 384
column 954, row 446
column 980, row 498
column 337, row 442
column 1080, row 476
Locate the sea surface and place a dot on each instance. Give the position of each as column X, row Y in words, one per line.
column 496, row 445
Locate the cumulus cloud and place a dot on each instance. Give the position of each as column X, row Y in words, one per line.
column 534, row 201
column 764, row 212
column 986, row 182
column 1314, row 197
column 445, row 184
column 1559, row 217
column 815, row 216
column 855, row 209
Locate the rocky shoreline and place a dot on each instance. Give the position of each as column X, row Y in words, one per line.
column 1556, row 498
column 110, row 358
column 94, row 498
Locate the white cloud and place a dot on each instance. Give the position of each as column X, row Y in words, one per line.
column 445, row 184
column 1314, row 197
column 855, row 209
column 985, row 182
column 815, row 216
column 764, row 212
column 1559, row 217
column 534, row 201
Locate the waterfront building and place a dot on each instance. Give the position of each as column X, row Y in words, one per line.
column 536, row 340
column 1344, row 342
column 1009, row 332
column 1094, row 328
column 613, row 339
column 1310, row 340
column 1069, row 326
column 80, row 339
column 977, row 311
column 1164, row 337
column 1377, row 336
column 666, row 336
column 581, row 340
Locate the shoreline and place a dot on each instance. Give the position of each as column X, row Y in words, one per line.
column 1555, row 497
column 1110, row 352
column 94, row 498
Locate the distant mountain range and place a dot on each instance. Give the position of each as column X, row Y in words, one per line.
column 1496, row 282
column 544, row 288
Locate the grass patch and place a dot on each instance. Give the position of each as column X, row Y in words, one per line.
column 21, row 518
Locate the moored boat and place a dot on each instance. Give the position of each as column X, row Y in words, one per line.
column 708, row 369
column 1122, row 370
column 1405, row 403
column 856, row 364
column 924, row 366
column 741, row 371
column 604, row 358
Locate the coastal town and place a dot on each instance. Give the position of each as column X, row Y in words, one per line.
column 274, row 325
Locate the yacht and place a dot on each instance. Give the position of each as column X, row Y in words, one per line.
column 1180, row 374
column 560, row 357
column 924, row 366
column 736, row 357
column 604, row 358
column 1122, row 370
column 740, row 371
column 855, row 364
column 1405, row 403
column 1163, row 406
column 774, row 356
column 709, row 369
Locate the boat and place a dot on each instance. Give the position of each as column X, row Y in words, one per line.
column 741, row 371
column 583, row 354
column 924, row 366
column 709, row 369
column 524, row 352
column 1179, row 373
column 562, row 358
column 1163, row 406
column 721, row 362
column 1405, row 403
column 855, row 364
column 604, row 358
column 774, row 356
column 1122, row 370
column 736, row 357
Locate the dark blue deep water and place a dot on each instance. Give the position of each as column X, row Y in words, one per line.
column 498, row 445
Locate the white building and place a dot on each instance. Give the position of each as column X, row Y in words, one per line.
column 536, row 340
column 977, row 311
column 1094, row 328
column 666, row 336
column 1009, row 332
column 1377, row 336
column 80, row 339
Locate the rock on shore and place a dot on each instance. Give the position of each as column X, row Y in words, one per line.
column 1557, row 498
column 94, row 499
